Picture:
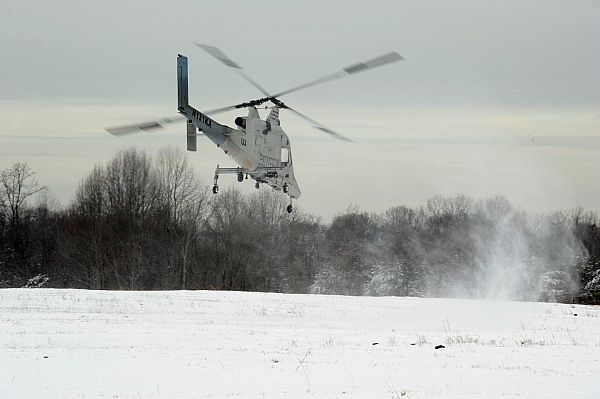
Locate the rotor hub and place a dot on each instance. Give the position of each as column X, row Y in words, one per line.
column 260, row 101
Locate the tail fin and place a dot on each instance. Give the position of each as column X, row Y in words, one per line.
column 197, row 121
column 182, row 82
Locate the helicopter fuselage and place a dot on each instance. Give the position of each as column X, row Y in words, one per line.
column 260, row 147
column 262, row 150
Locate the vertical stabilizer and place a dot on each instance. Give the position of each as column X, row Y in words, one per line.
column 197, row 121
column 182, row 82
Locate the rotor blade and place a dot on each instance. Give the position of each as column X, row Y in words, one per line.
column 144, row 126
column 219, row 55
column 159, row 123
column 320, row 126
column 349, row 70
column 219, row 110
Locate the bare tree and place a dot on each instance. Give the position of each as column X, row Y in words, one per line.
column 130, row 184
column 185, row 198
column 177, row 181
column 17, row 185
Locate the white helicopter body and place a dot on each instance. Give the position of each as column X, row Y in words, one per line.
column 260, row 147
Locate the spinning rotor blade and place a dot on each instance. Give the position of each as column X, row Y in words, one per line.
column 144, row 126
column 219, row 55
column 219, row 110
column 159, row 123
column 319, row 126
column 349, row 70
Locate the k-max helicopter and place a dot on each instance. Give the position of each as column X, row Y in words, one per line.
column 260, row 147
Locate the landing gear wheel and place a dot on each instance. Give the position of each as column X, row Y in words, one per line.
column 257, row 186
column 240, row 177
column 215, row 189
column 289, row 208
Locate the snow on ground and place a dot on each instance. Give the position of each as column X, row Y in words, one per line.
column 90, row 344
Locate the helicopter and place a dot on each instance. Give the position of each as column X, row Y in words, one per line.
column 260, row 147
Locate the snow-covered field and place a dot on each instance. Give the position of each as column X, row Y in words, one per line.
column 89, row 344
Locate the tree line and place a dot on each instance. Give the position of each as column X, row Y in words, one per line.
column 149, row 223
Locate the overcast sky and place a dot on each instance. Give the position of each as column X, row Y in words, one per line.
column 494, row 98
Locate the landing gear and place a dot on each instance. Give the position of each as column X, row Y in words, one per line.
column 239, row 172
column 216, row 186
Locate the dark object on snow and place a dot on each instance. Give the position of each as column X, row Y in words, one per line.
column 37, row 281
column 574, row 314
column 413, row 343
column 45, row 357
column 375, row 343
column 439, row 347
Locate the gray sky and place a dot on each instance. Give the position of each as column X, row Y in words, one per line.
column 494, row 98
